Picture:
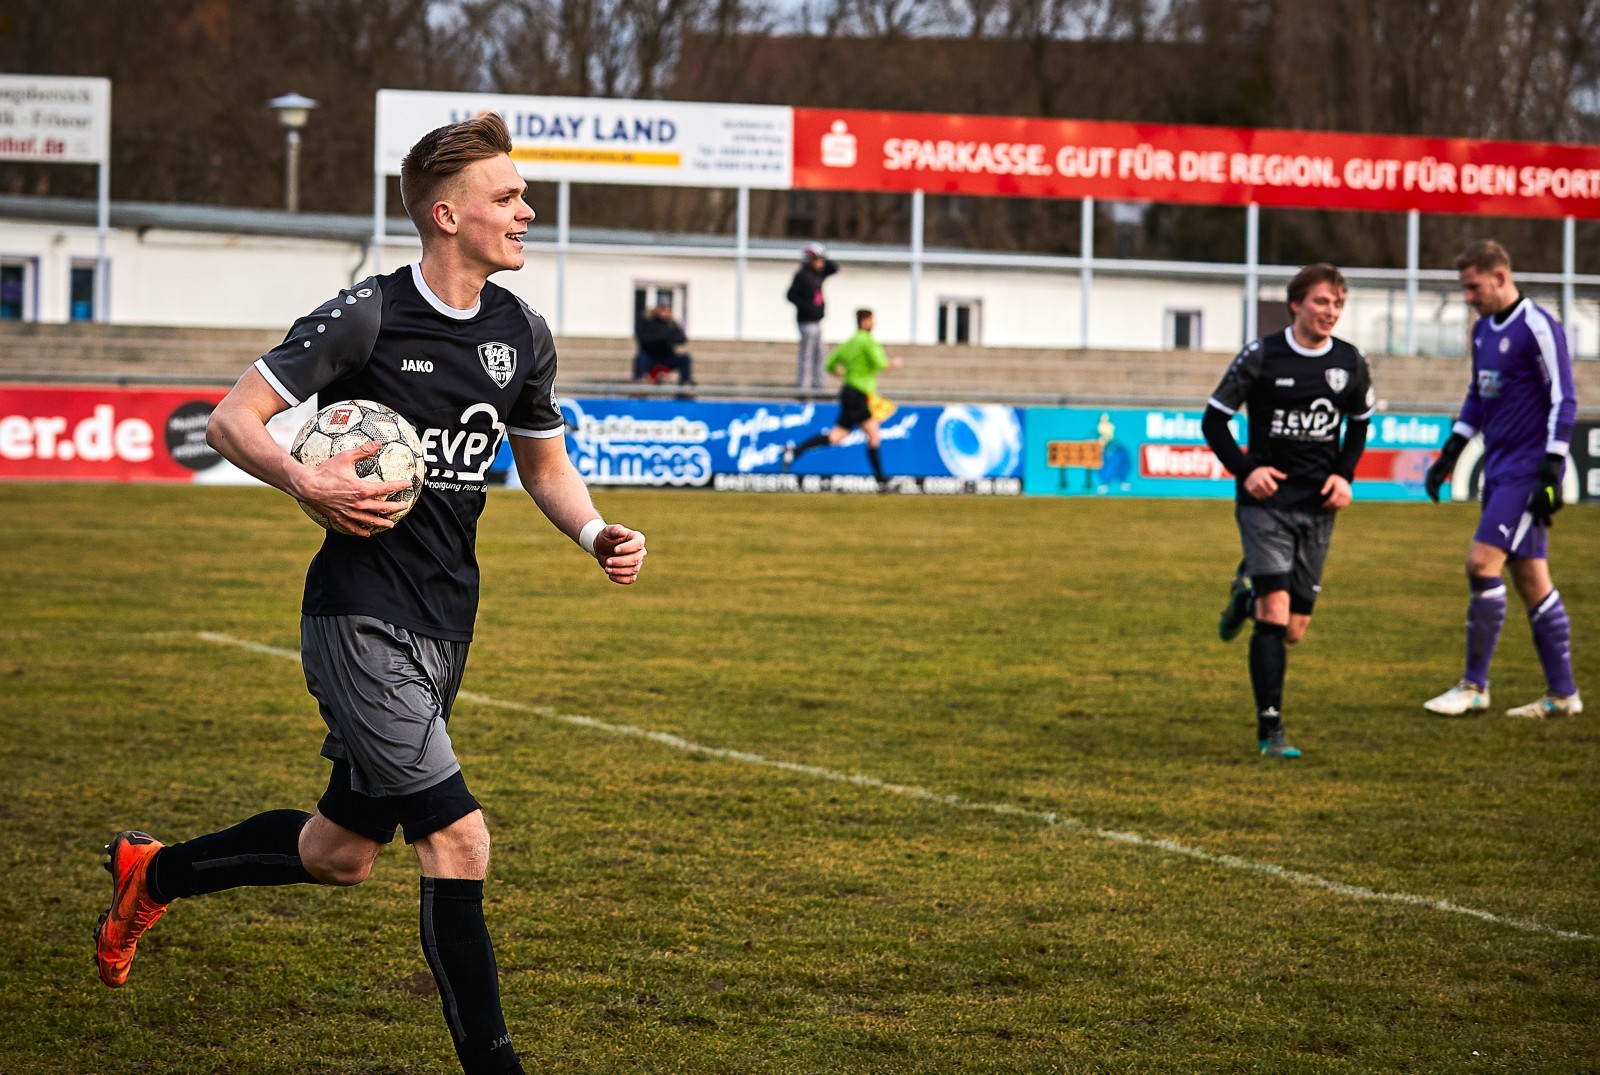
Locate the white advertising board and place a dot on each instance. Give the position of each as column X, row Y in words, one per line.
column 54, row 119
column 598, row 140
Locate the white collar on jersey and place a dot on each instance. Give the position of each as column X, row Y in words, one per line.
column 1499, row 322
column 436, row 302
column 1295, row 346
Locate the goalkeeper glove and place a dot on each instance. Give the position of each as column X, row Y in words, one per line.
column 1439, row 473
column 1546, row 500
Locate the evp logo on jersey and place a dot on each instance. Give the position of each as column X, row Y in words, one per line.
column 459, row 458
column 499, row 361
column 1488, row 384
column 1318, row 423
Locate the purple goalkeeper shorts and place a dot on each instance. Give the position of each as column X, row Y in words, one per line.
column 1507, row 524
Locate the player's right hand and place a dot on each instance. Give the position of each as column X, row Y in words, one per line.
column 354, row 505
column 1440, row 471
column 1263, row 481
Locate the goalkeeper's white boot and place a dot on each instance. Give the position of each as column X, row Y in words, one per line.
column 1551, row 705
column 1460, row 700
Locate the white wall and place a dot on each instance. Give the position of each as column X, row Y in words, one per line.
column 214, row 279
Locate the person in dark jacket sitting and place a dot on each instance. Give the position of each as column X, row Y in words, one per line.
column 659, row 336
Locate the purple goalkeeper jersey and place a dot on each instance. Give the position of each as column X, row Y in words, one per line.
column 1521, row 397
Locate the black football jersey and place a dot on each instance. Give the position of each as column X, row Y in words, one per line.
column 1298, row 400
column 464, row 379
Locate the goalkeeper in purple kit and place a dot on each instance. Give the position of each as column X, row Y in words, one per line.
column 1521, row 400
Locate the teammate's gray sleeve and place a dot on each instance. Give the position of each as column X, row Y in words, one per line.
column 1234, row 388
column 536, row 412
column 332, row 341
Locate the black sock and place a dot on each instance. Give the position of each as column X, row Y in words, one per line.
column 455, row 941
column 262, row 850
column 1269, row 655
column 877, row 464
column 818, row 441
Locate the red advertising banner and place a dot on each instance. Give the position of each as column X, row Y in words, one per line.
column 841, row 149
column 85, row 433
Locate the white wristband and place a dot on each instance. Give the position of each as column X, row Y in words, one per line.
column 590, row 531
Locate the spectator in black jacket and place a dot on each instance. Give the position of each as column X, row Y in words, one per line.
column 805, row 292
column 660, row 336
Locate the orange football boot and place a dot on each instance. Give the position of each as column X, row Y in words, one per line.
column 132, row 910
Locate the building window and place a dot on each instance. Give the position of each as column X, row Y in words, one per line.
column 1183, row 330
column 82, row 291
column 649, row 294
column 958, row 320
column 16, row 289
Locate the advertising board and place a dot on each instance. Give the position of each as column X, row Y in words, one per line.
column 110, row 433
column 844, row 149
column 1162, row 453
column 738, row 446
column 54, row 119
column 132, row 434
column 600, row 140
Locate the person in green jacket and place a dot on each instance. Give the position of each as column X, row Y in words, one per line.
column 859, row 360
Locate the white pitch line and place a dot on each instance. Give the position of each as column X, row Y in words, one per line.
column 1044, row 817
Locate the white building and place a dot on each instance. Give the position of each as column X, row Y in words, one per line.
column 208, row 266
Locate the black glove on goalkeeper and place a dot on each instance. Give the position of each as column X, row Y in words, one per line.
column 1546, row 500
column 1439, row 473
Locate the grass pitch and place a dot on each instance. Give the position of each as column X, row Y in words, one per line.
column 1061, row 854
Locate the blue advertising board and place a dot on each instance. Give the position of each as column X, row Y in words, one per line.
column 734, row 445
column 1074, row 451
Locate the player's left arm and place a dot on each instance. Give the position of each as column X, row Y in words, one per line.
column 1556, row 366
column 539, row 449
column 1556, row 361
column 1361, row 402
column 555, row 485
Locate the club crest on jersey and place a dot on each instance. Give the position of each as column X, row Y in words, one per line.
column 1337, row 378
column 499, row 361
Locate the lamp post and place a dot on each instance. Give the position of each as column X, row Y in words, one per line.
column 293, row 111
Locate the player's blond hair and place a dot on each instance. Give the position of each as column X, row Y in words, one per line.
column 440, row 155
column 1484, row 256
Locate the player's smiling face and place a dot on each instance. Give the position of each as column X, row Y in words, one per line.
column 491, row 217
column 1316, row 315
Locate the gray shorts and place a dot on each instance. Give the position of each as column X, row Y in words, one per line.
column 1293, row 543
column 385, row 694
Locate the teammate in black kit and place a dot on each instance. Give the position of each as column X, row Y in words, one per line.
column 388, row 610
column 1300, row 386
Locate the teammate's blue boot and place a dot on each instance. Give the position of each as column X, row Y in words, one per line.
column 1277, row 746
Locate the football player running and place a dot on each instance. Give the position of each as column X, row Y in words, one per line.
column 388, row 610
column 1521, row 399
column 1300, row 386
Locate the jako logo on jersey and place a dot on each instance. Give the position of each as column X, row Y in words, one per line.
column 499, row 361
column 1337, row 378
column 416, row 365
column 1489, row 384
column 1284, row 382
column 1320, row 422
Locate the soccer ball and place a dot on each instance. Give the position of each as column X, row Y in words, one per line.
column 339, row 427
